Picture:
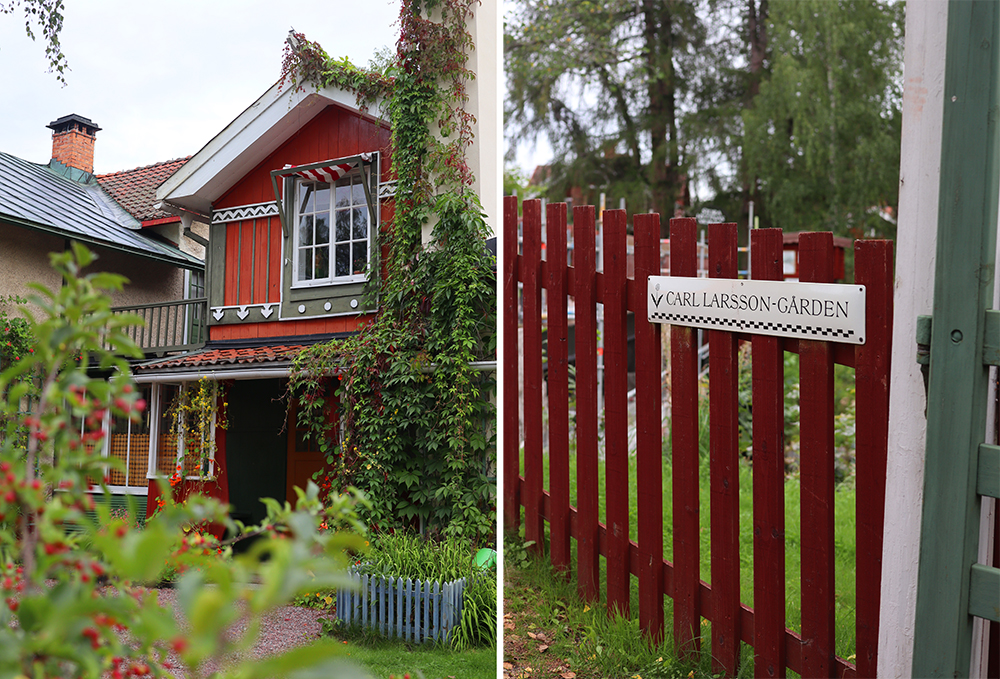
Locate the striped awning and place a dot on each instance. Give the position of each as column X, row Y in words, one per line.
column 329, row 171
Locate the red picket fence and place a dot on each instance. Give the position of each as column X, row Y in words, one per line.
column 810, row 653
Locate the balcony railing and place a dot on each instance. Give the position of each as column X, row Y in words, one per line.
column 169, row 326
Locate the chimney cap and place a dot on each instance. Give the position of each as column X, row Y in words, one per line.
column 65, row 123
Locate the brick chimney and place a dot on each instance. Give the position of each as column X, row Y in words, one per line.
column 73, row 141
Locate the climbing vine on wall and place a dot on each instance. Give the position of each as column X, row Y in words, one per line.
column 197, row 410
column 413, row 396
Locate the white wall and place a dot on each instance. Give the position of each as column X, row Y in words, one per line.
column 486, row 105
column 916, row 241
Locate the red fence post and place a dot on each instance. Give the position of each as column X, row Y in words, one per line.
column 558, row 380
column 725, row 473
column 816, row 467
column 531, row 277
column 873, row 269
column 684, row 450
column 768, row 474
column 585, row 296
column 511, row 422
column 616, row 410
column 649, row 434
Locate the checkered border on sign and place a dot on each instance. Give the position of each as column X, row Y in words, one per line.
column 764, row 326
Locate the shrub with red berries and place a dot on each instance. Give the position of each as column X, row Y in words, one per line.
column 75, row 576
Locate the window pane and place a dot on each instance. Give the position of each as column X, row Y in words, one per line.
column 322, row 197
column 360, row 223
column 166, row 448
column 322, row 228
column 305, row 264
column 322, row 262
column 306, row 202
column 360, row 257
column 343, row 195
column 359, row 192
column 343, row 259
column 343, row 225
column 306, row 230
column 130, row 443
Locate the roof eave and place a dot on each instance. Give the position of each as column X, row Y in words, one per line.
column 245, row 142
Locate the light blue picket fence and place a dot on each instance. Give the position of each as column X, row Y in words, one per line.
column 412, row 610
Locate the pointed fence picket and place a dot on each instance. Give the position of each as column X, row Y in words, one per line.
column 411, row 610
column 777, row 649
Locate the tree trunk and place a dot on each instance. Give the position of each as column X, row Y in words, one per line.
column 662, row 109
column 757, row 37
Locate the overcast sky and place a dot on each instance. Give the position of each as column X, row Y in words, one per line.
column 162, row 77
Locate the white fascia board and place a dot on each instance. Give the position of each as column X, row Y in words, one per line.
column 246, row 141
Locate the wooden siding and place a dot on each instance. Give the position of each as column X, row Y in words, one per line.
column 309, row 326
column 253, row 247
column 334, row 133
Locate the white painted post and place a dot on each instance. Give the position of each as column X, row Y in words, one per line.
column 916, row 242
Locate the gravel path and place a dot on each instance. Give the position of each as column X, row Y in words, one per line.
column 285, row 628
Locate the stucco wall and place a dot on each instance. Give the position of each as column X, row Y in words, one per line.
column 24, row 257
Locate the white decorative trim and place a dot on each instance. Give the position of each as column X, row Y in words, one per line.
column 240, row 212
column 386, row 190
column 243, row 311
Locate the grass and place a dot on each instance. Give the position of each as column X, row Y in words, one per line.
column 548, row 631
column 385, row 658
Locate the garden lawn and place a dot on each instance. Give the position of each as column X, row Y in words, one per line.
column 385, row 658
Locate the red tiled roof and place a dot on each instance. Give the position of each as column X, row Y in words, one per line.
column 135, row 190
column 246, row 356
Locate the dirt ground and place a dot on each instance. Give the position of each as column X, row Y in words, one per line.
column 528, row 646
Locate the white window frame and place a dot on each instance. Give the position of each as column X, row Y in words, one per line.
column 156, row 416
column 354, row 181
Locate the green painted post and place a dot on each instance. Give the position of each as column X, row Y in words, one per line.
column 963, row 290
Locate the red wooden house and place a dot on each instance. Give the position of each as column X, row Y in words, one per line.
column 296, row 190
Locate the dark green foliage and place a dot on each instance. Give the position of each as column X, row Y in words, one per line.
column 416, row 408
column 822, row 138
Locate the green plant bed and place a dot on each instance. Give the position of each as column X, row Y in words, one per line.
column 401, row 560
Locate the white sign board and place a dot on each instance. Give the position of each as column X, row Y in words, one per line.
column 819, row 311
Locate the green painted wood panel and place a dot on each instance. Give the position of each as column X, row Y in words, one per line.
column 957, row 387
column 984, row 592
column 988, row 481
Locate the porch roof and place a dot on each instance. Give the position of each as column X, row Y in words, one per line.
column 229, row 359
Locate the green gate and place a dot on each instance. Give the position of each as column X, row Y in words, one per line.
column 962, row 341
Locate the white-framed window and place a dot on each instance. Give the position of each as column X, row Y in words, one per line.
column 332, row 231
column 129, row 442
column 168, row 449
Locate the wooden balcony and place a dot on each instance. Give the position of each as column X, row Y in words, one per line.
column 169, row 327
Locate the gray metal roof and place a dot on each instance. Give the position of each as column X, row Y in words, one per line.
column 37, row 197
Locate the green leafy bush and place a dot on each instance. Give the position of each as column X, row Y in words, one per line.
column 72, row 575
